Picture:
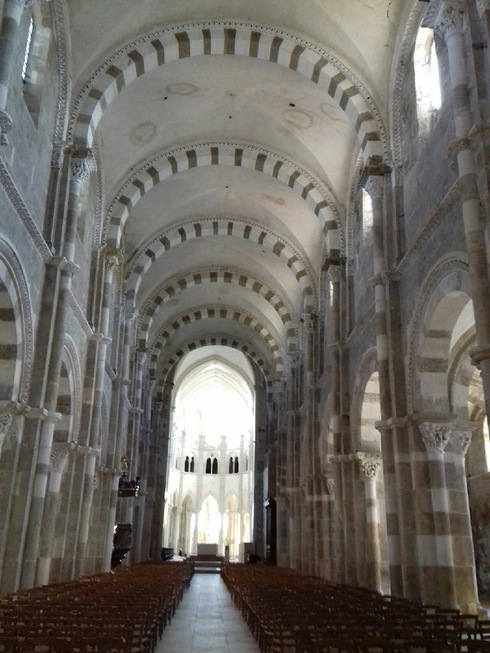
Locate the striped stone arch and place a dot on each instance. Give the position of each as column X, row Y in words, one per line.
column 16, row 331
column 69, row 400
column 464, row 381
column 222, row 225
column 166, row 369
column 221, row 313
column 225, row 153
column 362, row 394
column 205, row 277
column 446, row 291
column 244, row 39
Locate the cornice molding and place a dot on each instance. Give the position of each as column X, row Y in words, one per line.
column 23, row 213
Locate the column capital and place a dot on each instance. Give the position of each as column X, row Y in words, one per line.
column 449, row 20
column 370, row 463
column 374, row 186
column 5, row 126
column 461, row 438
column 435, row 436
column 334, row 272
column 479, row 354
column 112, row 257
column 58, row 458
column 6, row 419
column 483, row 6
column 63, row 264
column 82, row 163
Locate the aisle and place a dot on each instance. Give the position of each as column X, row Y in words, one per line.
column 207, row 620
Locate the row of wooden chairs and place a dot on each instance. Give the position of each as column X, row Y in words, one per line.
column 121, row 612
column 288, row 612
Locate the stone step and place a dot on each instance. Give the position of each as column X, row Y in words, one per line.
column 207, row 566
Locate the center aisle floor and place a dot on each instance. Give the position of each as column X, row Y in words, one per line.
column 207, row 620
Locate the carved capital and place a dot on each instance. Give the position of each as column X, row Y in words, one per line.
column 375, row 187
column 334, row 275
column 82, row 164
column 370, row 463
column 6, row 419
column 479, row 354
column 435, row 436
column 112, row 259
column 461, row 439
column 483, row 6
column 58, row 460
column 449, row 19
column 5, row 126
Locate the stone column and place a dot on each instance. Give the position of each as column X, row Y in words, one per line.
column 434, row 540
column 58, row 458
column 450, row 23
column 370, row 465
column 80, row 170
column 460, row 519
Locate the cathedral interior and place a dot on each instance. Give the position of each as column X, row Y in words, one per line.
column 244, row 288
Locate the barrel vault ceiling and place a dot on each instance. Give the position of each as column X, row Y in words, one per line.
column 227, row 135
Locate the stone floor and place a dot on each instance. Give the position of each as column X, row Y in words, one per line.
column 207, row 620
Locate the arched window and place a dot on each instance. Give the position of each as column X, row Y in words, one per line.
column 246, row 463
column 208, row 466
column 230, row 465
column 34, row 65
column 186, row 464
column 192, row 464
column 237, row 465
column 215, row 465
column 427, row 83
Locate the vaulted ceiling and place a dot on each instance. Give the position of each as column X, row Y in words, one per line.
column 227, row 135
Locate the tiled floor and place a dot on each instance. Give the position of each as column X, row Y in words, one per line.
column 207, row 620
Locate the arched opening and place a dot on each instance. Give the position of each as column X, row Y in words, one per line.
column 212, row 435
column 427, row 82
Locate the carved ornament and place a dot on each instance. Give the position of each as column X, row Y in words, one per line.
column 370, row 463
column 449, row 20
column 6, row 419
column 435, row 436
column 5, row 126
column 461, row 440
column 375, row 187
column 58, row 460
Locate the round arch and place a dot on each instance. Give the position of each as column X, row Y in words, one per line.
column 16, row 335
column 226, row 153
column 266, row 43
column 444, row 296
column 221, row 226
